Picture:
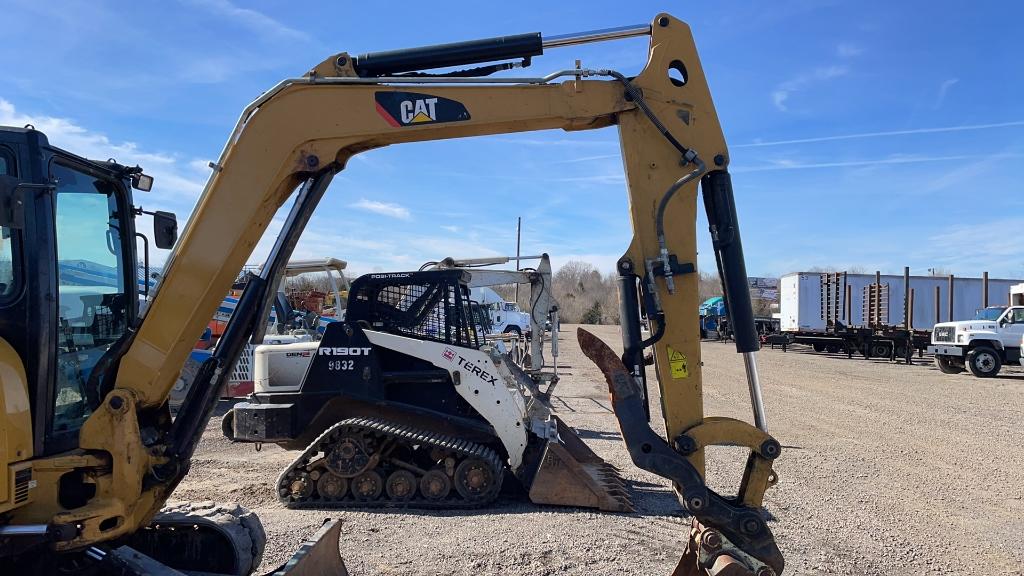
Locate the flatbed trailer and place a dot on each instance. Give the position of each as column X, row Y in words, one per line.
column 892, row 343
column 838, row 312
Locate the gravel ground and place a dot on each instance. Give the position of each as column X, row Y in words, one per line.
column 885, row 469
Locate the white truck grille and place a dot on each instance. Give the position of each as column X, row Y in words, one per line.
column 943, row 334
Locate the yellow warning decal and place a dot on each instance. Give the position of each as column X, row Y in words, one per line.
column 677, row 362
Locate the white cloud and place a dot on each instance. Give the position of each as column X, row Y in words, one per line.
column 963, row 174
column 848, row 50
column 572, row 142
column 428, row 248
column 969, row 247
column 605, row 263
column 256, row 21
column 784, row 90
column 389, row 209
column 786, row 164
column 586, row 159
column 830, row 72
column 779, row 98
column 452, row 229
column 174, row 180
column 215, row 69
column 967, row 127
column 943, row 91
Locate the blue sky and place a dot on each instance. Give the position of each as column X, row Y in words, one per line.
column 872, row 134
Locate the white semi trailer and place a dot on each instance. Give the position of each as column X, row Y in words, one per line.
column 805, row 300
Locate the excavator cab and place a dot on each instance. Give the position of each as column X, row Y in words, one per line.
column 68, row 236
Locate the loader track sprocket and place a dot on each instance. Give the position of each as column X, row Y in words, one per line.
column 458, row 473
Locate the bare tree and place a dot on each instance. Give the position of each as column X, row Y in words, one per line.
column 708, row 286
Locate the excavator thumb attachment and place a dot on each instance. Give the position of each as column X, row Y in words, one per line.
column 318, row 556
column 732, row 527
column 571, row 474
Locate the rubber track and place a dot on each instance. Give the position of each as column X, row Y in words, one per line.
column 240, row 526
column 409, row 434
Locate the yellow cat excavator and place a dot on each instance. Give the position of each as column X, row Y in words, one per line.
column 89, row 454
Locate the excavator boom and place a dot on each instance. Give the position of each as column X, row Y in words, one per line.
column 291, row 141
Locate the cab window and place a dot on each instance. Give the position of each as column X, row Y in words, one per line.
column 1018, row 315
column 7, row 168
column 93, row 301
column 6, row 263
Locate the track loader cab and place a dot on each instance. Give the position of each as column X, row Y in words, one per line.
column 402, row 403
column 304, row 388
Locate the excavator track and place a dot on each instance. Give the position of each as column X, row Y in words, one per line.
column 220, row 537
column 371, row 463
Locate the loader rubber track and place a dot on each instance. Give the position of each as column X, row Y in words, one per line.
column 297, row 485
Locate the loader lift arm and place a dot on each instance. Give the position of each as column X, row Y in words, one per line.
column 541, row 298
column 304, row 130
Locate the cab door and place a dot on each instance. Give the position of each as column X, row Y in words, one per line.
column 96, row 288
column 1013, row 329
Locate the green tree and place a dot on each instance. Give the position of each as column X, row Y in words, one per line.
column 593, row 314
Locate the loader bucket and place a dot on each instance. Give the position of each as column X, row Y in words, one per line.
column 571, row 474
column 318, row 556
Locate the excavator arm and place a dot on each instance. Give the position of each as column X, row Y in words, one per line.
column 304, row 130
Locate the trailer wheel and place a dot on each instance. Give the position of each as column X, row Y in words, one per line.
column 818, row 347
column 984, row 362
column 832, row 348
column 880, row 350
column 946, row 366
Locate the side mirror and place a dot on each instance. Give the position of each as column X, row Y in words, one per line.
column 12, row 203
column 165, row 229
column 142, row 182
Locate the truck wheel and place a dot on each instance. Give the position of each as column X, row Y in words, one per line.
column 984, row 362
column 832, row 348
column 946, row 366
column 880, row 350
column 818, row 347
column 513, row 330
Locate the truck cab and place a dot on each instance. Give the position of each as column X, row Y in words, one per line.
column 506, row 317
column 982, row 345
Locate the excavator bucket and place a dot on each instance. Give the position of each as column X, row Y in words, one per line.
column 571, row 474
column 318, row 556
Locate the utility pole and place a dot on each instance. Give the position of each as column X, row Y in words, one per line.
column 519, row 229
